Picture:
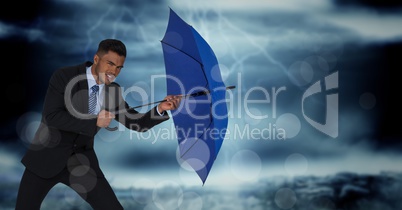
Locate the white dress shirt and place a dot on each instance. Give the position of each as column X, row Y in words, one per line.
column 91, row 82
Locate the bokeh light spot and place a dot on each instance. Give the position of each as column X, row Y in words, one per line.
column 220, row 72
column 142, row 191
column 191, row 200
column 367, row 101
column 72, row 198
column 27, row 125
column 300, row 73
column 290, row 123
column 167, row 195
column 109, row 136
column 246, row 165
column 296, row 164
column 317, row 63
column 193, row 161
column 285, row 198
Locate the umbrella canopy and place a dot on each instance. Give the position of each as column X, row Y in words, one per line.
column 192, row 68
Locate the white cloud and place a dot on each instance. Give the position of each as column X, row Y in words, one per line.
column 31, row 34
column 368, row 24
column 9, row 162
column 283, row 5
column 6, row 30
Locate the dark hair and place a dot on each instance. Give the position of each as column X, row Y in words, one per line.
column 114, row 45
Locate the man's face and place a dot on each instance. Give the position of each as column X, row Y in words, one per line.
column 107, row 67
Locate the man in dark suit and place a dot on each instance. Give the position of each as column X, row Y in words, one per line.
column 79, row 101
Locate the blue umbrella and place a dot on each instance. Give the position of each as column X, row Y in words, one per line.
column 192, row 70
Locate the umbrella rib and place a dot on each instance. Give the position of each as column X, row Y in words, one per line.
column 183, row 53
column 196, row 140
column 202, row 66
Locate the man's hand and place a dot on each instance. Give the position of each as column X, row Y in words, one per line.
column 104, row 118
column 171, row 103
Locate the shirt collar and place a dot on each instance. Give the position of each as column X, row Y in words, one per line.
column 91, row 79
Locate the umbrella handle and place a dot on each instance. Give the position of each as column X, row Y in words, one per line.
column 111, row 129
column 185, row 96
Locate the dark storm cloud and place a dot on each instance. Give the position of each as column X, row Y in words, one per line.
column 387, row 5
column 146, row 159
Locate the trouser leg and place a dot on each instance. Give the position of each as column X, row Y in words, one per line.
column 32, row 190
column 103, row 197
column 93, row 189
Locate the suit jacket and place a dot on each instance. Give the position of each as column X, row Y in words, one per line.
column 67, row 129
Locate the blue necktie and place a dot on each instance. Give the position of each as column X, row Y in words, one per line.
column 93, row 99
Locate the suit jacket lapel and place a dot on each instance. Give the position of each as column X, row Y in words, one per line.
column 81, row 95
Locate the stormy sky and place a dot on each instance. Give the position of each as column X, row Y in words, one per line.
column 273, row 51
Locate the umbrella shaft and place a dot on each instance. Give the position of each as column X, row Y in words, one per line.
column 200, row 93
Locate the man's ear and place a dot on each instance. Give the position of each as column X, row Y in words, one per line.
column 96, row 59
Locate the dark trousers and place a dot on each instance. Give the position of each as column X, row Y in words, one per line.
column 94, row 190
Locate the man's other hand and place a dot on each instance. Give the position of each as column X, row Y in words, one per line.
column 104, row 118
